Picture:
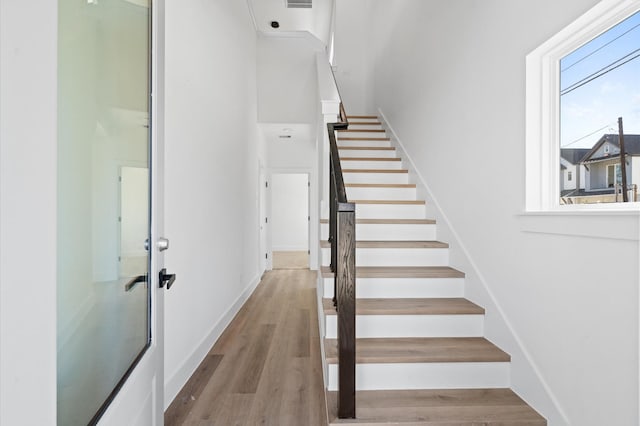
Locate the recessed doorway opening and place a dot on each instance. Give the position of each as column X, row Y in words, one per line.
column 289, row 221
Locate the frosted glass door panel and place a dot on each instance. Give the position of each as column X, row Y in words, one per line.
column 103, row 201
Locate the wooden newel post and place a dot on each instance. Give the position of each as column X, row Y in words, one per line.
column 345, row 276
column 623, row 162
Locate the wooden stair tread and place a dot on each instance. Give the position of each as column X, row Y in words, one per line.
column 389, row 221
column 366, row 148
column 420, row 349
column 375, row 171
column 361, row 131
column 414, row 306
column 409, row 202
column 401, row 272
column 370, row 159
column 362, row 116
column 365, row 123
column 380, row 185
column 394, row 244
column 363, row 139
column 439, row 407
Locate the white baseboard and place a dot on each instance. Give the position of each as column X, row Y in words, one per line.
column 176, row 381
column 553, row 409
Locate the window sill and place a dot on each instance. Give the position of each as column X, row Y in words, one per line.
column 614, row 224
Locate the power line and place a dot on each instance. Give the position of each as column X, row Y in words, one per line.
column 590, row 134
column 600, row 48
column 601, row 72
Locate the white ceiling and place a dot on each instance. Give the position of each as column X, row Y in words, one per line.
column 316, row 20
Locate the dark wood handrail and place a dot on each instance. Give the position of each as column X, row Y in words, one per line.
column 342, row 236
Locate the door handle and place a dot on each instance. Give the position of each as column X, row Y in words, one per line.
column 134, row 282
column 164, row 278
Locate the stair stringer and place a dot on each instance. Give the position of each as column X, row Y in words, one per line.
column 498, row 328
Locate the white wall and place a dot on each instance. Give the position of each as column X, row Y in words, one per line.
column 289, row 211
column 211, row 199
column 450, row 79
column 351, row 61
column 28, row 115
column 287, row 79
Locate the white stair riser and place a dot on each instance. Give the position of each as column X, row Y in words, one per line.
column 367, row 153
column 390, row 211
column 356, row 177
column 453, row 375
column 388, row 232
column 361, row 193
column 368, row 135
column 396, row 256
column 389, row 288
column 346, row 142
column 411, row 326
column 363, row 164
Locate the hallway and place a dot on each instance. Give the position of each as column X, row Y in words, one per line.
column 265, row 368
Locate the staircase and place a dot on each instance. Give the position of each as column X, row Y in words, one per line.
column 420, row 352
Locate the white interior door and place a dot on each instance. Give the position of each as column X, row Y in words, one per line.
column 110, row 214
column 290, row 212
column 264, row 220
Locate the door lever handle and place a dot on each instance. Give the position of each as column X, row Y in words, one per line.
column 134, row 282
column 164, row 278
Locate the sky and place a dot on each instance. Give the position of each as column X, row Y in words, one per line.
column 591, row 110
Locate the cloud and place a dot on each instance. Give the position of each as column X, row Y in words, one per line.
column 608, row 88
column 578, row 111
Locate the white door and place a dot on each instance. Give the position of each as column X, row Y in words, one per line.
column 264, row 221
column 110, row 218
column 289, row 212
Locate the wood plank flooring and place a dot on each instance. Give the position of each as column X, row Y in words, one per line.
column 290, row 259
column 265, row 369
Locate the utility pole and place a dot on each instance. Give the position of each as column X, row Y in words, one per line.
column 623, row 161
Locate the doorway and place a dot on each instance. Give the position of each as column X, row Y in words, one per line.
column 289, row 221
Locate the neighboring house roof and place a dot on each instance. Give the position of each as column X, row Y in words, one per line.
column 631, row 146
column 574, row 155
column 585, row 193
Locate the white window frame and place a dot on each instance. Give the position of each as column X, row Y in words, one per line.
column 543, row 106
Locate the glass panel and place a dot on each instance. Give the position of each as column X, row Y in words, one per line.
column 103, row 200
column 598, row 84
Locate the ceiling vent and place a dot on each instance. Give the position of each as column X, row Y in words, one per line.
column 299, row 4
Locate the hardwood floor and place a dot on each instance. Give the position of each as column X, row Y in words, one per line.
column 290, row 260
column 265, row 369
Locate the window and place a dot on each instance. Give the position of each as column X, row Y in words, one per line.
column 562, row 76
column 614, row 175
column 569, row 176
column 599, row 83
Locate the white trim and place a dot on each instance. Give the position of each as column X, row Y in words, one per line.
column 315, row 41
column 178, row 378
column 613, row 225
column 252, row 14
column 543, row 98
column 482, row 281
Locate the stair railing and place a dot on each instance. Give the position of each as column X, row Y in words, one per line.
column 342, row 236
